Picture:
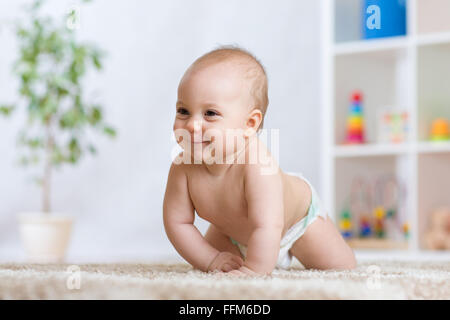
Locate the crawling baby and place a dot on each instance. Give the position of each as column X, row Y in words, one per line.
column 260, row 217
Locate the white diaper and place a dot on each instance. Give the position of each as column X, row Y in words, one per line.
column 315, row 210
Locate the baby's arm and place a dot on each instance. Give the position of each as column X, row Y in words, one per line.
column 178, row 216
column 264, row 194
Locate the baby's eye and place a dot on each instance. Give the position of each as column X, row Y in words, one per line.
column 182, row 111
column 210, row 113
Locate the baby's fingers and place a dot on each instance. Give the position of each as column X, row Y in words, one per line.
column 238, row 260
column 237, row 273
column 226, row 267
column 230, row 266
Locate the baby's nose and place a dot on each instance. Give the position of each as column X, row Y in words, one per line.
column 195, row 129
column 194, row 126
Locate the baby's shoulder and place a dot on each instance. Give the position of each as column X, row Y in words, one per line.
column 178, row 168
column 261, row 173
column 262, row 164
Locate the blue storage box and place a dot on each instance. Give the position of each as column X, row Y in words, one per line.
column 383, row 18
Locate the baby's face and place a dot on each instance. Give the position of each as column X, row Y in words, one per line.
column 212, row 99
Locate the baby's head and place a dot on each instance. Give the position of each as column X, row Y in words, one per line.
column 226, row 88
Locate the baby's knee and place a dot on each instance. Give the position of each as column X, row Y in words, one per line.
column 350, row 262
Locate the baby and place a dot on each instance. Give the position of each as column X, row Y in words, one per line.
column 260, row 216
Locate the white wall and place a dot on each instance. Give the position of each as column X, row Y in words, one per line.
column 117, row 196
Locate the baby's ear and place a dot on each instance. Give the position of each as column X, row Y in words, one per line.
column 253, row 121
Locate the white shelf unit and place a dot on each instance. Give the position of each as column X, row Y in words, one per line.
column 411, row 71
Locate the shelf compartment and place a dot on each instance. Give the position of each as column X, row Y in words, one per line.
column 350, row 23
column 381, row 76
column 347, row 20
column 433, row 188
column 433, row 16
column 364, row 197
column 433, row 86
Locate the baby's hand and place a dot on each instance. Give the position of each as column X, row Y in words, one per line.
column 244, row 271
column 225, row 262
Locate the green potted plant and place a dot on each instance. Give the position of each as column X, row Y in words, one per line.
column 50, row 68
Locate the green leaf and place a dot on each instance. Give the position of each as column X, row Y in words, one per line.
column 109, row 131
column 74, row 150
column 6, row 110
column 95, row 115
column 35, row 143
column 73, row 145
column 96, row 58
column 37, row 4
column 73, row 118
column 57, row 156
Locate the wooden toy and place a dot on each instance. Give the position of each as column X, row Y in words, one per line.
column 437, row 237
column 379, row 214
column 393, row 126
column 345, row 224
column 378, row 208
column 355, row 120
column 365, row 227
column 440, row 130
column 406, row 230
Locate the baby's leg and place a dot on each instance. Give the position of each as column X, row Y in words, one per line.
column 221, row 241
column 322, row 247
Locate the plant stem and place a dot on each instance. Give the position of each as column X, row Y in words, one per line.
column 46, row 185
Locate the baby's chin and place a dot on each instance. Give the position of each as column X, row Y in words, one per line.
column 205, row 155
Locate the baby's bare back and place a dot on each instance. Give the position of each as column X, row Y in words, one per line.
column 221, row 199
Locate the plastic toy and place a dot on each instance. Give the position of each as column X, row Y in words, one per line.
column 440, row 130
column 438, row 235
column 355, row 120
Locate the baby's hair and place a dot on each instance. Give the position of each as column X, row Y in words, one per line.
column 254, row 71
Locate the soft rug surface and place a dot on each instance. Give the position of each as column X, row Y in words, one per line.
column 370, row 280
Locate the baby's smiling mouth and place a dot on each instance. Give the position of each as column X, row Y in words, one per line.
column 194, row 141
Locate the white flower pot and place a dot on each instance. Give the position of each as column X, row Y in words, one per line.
column 45, row 236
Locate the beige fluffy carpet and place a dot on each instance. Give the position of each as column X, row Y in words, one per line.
column 370, row 280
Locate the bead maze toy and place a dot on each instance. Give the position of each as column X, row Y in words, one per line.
column 354, row 205
column 355, row 120
column 378, row 208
